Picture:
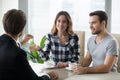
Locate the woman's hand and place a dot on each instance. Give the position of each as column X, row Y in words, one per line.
column 34, row 47
column 61, row 64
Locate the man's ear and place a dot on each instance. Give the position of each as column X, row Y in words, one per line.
column 20, row 34
column 104, row 22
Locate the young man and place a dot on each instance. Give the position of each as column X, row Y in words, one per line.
column 13, row 60
column 101, row 48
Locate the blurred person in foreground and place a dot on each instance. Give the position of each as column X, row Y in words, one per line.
column 13, row 60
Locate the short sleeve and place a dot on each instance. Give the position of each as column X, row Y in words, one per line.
column 112, row 48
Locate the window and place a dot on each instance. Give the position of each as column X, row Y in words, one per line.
column 115, row 22
column 42, row 14
column 4, row 6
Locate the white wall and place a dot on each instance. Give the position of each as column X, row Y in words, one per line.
column 5, row 6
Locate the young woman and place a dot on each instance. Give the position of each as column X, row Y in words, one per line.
column 62, row 42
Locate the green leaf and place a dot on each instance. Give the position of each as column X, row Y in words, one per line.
column 35, row 55
column 40, row 60
column 34, row 52
column 42, row 41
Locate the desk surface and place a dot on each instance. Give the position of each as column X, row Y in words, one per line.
column 69, row 75
column 104, row 76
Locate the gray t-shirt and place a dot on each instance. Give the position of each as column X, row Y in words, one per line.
column 107, row 46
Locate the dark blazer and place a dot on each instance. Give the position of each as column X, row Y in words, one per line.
column 13, row 62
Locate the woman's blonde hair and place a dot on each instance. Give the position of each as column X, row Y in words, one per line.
column 69, row 29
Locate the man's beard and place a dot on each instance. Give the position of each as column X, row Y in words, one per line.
column 97, row 32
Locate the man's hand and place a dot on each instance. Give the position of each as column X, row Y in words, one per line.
column 53, row 75
column 79, row 69
column 25, row 38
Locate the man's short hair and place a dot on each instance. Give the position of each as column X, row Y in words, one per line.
column 14, row 21
column 101, row 14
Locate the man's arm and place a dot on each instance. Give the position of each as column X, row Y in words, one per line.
column 106, row 67
column 87, row 60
